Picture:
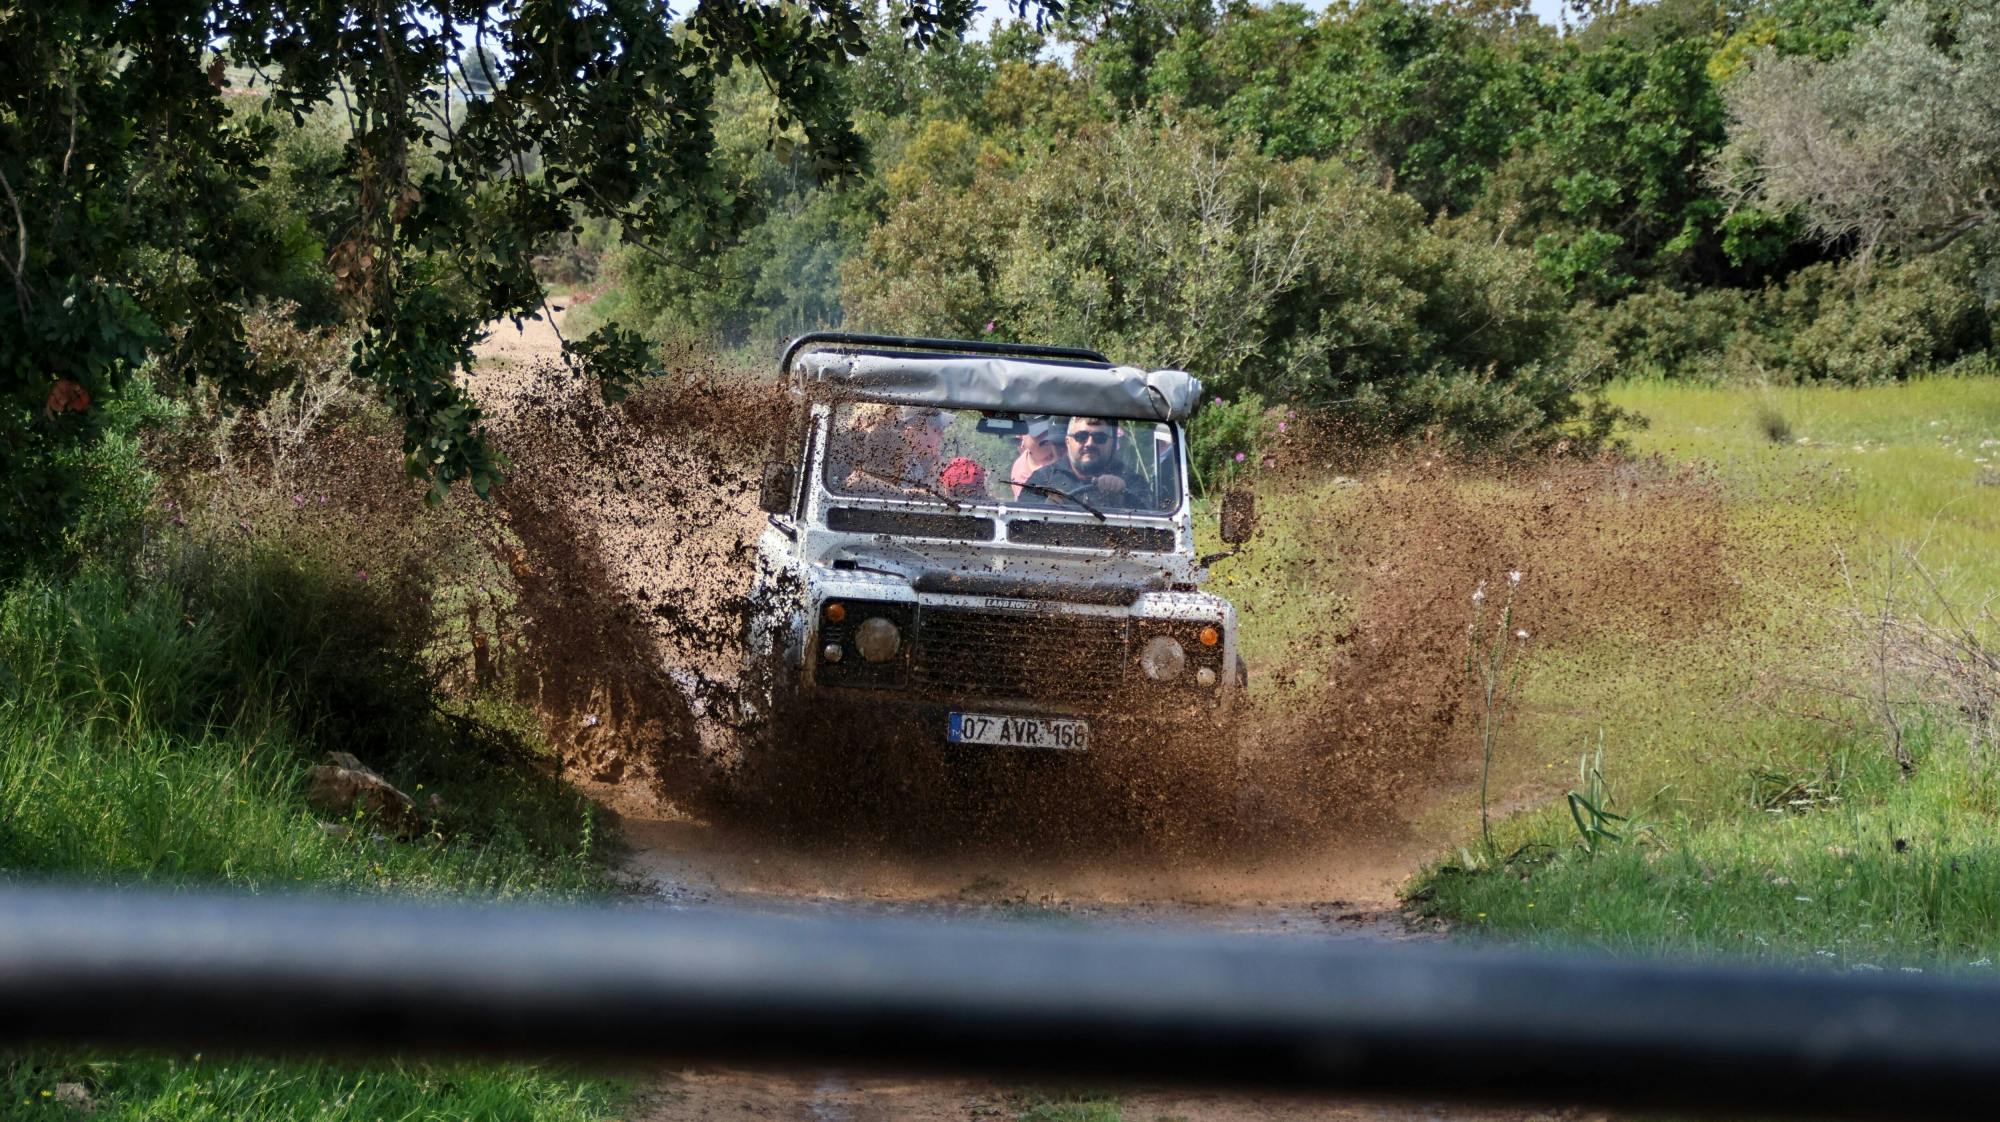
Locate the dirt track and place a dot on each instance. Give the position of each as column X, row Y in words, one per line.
column 633, row 541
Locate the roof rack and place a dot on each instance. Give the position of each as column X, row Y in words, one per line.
column 943, row 346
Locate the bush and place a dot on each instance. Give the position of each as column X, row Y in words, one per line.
column 1886, row 324
column 1227, row 438
column 1848, row 324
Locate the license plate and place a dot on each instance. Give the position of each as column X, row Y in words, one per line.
column 1018, row 732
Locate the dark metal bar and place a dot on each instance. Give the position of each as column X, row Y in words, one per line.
column 293, row 973
column 947, row 346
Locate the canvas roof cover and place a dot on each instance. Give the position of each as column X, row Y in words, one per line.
column 1012, row 385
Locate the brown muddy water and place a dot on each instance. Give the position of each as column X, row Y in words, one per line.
column 633, row 527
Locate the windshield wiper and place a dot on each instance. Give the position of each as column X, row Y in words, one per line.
column 1056, row 493
column 919, row 484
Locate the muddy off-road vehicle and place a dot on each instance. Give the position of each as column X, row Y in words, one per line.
column 973, row 543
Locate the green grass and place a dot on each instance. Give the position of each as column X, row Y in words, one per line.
column 156, row 726
column 166, row 1089
column 1755, row 829
column 161, row 729
column 1911, row 463
column 1085, row 1108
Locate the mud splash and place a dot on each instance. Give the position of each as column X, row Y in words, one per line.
column 635, row 525
column 1367, row 703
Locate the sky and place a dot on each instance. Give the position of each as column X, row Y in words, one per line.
column 991, row 11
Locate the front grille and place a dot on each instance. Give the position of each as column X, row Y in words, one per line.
column 1090, row 535
column 909, row 523
column 1027, row 657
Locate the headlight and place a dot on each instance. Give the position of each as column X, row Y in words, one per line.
column 877, row 639
column 1163, row 659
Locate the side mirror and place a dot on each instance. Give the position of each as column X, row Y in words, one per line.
column 780, row 481
column 1239, row 516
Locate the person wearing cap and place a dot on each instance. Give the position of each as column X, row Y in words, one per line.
column 963, row 478
column 1040, row 446
column 890, row 449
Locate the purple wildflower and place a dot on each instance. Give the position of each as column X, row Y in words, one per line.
column 1240, row 457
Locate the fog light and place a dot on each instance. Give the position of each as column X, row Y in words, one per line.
column 1205, row 676
column 877, row 639
column 830, row 653
column 1209, row 637
column 835, row 612
column 1162, row 659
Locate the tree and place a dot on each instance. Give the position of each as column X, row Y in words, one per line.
column 1427, row 98
column 1896, row 143
column 1164, row 243
column 1118, row 42
column 125, row 154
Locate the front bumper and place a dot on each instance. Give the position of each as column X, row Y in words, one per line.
column 847, row 713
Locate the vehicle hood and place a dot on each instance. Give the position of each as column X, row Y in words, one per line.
column 991, row 569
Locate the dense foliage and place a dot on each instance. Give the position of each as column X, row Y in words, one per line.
column 1449, row 219
column 143, row 221
column 1289, row 278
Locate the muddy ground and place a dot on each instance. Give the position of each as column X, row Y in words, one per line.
column 633, row 525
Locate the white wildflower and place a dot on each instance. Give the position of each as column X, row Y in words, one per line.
column 1865, row 968
column 590, row 720
column 1479, row 594
column 1521, row 634
column 1513, row 576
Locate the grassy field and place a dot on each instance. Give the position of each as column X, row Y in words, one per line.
column 1760, row 813
column 156, row 725
column 1914, row 464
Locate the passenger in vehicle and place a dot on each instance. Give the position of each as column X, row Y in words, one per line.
column 1040, row 446
column 890, row 449
column 1093, row 468
column 964, row 478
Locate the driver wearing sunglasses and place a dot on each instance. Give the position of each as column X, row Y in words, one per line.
column 1091, row 466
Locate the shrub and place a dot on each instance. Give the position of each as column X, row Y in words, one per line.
column 1849, row 324
column 1885, row 324
column 1660, row 332
column 1227, row 438
column 1772, row 422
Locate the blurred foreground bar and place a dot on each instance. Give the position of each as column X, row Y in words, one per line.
column 293, row 973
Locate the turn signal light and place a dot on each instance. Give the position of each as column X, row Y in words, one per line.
column 1210, row 636
column 835, row 612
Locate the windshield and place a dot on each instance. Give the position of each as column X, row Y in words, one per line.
column 964, row 456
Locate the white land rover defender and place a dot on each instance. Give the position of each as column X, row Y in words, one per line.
column 985, row 544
